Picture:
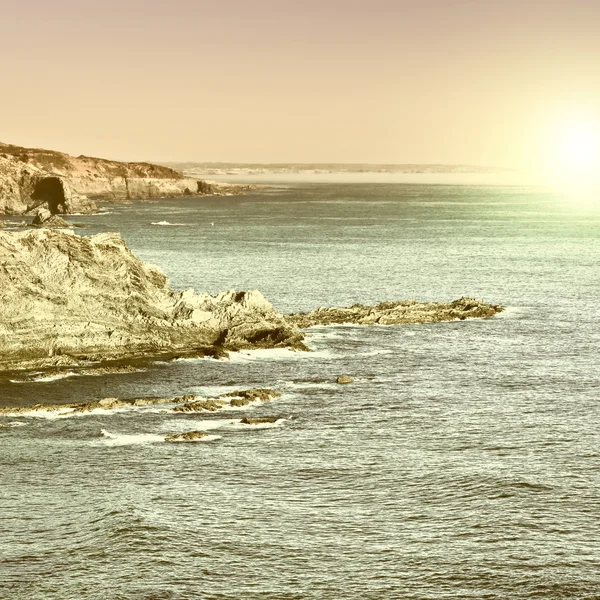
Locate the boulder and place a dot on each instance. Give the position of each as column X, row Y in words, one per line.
column 44, row 218
column 42, row 215
column 344, row 379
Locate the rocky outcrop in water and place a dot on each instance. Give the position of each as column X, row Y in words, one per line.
column 44, row 218
column 258, row 420
column 244, row 397
column 181, row 402
column 189, row 436
column 393, row 313
column 31, row 178
column 232, row 399
column 67, row 300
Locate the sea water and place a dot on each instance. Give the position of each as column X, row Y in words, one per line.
column 463, row 462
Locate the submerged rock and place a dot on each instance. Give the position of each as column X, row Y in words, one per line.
column 190, row 436
column 392, row 313
column 263, row 394
column 69, row 300
column 344, row 379
column 258, row 420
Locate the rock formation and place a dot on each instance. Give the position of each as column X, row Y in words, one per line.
column 233, row 399
column 32, row 178
column 259, row 420
column 66, row 300
column 393, row 313
column 118, row 403
column 69, row 301
column 44, row 218
column 189, row 436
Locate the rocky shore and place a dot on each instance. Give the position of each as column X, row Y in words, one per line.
column 201, row 404
column 85, row 303
column 31, row 178
column 69, row 300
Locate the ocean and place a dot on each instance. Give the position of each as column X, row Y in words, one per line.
column 462, row 463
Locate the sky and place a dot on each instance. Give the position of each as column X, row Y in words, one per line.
column 482, row 82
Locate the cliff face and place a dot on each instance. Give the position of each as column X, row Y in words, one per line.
column 24, row 187
column 66, row 299
column 32, row 178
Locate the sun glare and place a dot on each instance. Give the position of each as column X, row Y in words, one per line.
column 573, row 157
column 578, row 148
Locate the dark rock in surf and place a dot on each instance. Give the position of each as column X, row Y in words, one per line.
column 258, row 420
column 262, row 394
column 190, row 436
column 209, row 405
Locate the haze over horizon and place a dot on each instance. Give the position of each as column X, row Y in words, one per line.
column 439, row 81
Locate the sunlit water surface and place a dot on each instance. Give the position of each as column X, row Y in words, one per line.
column 464, row 462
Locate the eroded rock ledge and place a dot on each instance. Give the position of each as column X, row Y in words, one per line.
column 69, row 300
column 394, row 313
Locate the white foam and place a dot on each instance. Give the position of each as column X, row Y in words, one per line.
column 214, row 391
column 46, row 378
column 167, row 224
column 181, row 425
column 122, row 439
column 16, row 424
column 67, row 412
column 134, row 439
column 50, row 378
column 511, row 312
column 276, row 354
column 51, row 415
column 187, row 359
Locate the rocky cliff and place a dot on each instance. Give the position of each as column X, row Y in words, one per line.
column 32, row 178
column 70, row 301
column 67, row 300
